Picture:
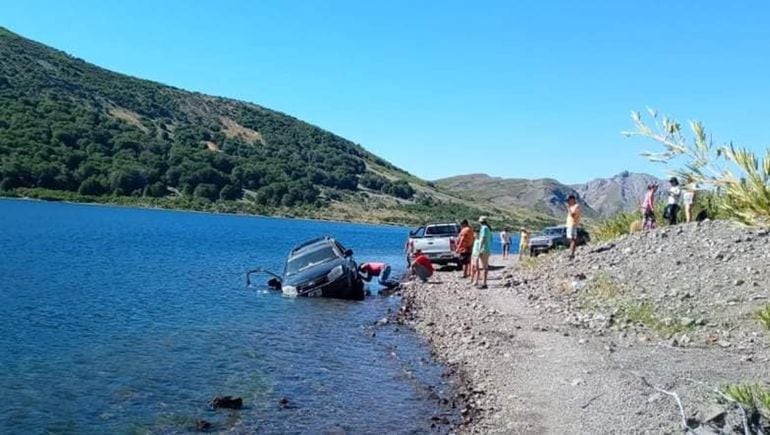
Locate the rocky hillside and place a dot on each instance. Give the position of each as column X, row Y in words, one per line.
column 601, row 197
column 72, row 130
column 544, row 195
column 621, row 193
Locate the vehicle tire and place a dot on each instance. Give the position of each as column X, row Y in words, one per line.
column 358, row 288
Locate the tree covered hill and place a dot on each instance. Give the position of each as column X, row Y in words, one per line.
column 73, row 130
column 69, row 125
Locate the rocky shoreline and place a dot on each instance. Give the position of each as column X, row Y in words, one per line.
column 610, row 342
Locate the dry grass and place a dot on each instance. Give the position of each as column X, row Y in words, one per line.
column 233, row 129
column 128, row 116
column 764, row 316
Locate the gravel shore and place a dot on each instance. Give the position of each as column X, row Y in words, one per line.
column 608, row 342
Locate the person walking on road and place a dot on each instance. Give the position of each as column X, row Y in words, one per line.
column 465, row 247
column 573, row 222
column 485, row 250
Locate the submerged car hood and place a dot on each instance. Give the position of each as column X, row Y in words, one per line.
column 312, row 273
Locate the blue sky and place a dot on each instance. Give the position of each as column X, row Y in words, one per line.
column 510, row 88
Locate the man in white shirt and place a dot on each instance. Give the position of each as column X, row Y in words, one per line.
column 672, row 209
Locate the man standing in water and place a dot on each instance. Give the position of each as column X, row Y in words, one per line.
column 485, row 250
column 573, row 221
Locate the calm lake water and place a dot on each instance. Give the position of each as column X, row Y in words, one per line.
column 118, row 320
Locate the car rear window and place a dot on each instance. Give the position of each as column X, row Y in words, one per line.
column 442, row 230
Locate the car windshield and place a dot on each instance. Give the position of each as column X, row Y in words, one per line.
column 306, row 260
column 555, row 231
column 441, row 230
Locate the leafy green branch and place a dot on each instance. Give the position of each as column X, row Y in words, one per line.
column 739, row 178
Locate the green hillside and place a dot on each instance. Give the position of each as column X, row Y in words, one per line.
column 71, row 130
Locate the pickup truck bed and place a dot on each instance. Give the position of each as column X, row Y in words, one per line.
column 437, row 242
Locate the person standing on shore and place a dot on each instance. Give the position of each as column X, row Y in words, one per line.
column 475, row 258
column 648, row 208
column 688, row 199
column 505, row 240
column 674, row 193
column 408, row 250
column 485, row 250
column 573, row 221
column 523, row 242
column 465, row 247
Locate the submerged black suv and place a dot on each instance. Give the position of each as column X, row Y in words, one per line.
column 320, row 267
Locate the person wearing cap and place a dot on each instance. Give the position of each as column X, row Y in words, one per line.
column 573, row 222
column 485, row 250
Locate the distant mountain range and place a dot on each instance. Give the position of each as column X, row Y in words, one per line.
column 601, row 197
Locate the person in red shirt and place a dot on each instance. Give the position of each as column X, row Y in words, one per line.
column 421, row 266
column 465, row 247
column 381, row 270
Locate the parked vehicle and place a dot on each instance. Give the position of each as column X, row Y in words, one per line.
column 437, row 242
column 554, row 238
column 318, row 268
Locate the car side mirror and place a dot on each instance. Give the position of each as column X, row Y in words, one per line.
column 348, row 253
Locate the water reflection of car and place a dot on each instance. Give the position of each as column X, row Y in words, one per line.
column 554, row 238
column 320, row 268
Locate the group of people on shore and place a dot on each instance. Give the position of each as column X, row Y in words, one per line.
column 474, row 249
column 675, row 195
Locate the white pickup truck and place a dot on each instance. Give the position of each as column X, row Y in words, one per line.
column 437, row 242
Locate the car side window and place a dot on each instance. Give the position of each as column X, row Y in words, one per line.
column 419, row 232
column 339, row 248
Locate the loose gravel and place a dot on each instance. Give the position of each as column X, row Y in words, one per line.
column 595, row 344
